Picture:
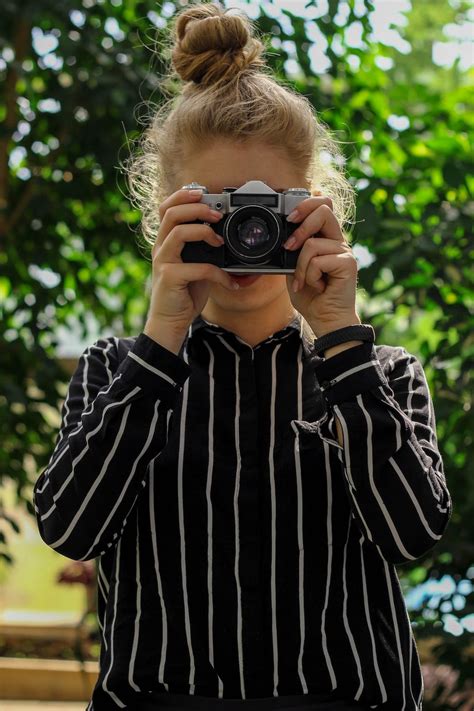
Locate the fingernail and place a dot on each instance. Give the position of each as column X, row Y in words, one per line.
column 235, row 285
column 293, row 216
column 290, row 243
column 195, row 192
column 295, row 286
column 215, row 213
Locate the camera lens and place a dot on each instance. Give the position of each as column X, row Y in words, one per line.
column 252, row 234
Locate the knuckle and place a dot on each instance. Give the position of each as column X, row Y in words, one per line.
column 327, row 202
column 158, row 267
column 178, row 232
column 326, row 208
column 171, row 212
column 162, row 209
column 308, row 244
column 207, row 271
column 352, row 262
column 166, row 206
column 156, row 255
column 165, row 269
column 158, row 272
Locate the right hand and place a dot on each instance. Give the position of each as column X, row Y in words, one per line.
column 180, row 290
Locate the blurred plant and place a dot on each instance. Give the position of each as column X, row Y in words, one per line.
column 441, row 691
column 83, row 573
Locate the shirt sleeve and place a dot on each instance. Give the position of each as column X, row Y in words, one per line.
column 392, row 466
column 113, row 423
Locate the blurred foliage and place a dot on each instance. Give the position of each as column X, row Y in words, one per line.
column 71, row 82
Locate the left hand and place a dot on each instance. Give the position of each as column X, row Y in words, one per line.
column 326, row 270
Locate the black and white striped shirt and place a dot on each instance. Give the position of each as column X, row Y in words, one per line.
column 242, row 551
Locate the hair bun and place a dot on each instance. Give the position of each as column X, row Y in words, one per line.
column 212, row 46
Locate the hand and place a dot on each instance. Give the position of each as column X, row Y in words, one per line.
column 180, row 290
column 326, row 270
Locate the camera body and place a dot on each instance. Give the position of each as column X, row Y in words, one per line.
column 253, row 227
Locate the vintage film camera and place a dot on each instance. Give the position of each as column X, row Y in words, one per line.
column 253, row 227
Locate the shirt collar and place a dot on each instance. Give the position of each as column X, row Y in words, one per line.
column 295, row 326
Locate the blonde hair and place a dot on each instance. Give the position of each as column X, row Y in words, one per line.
column 222, row 89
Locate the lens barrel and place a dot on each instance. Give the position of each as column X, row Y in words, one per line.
column 252, row 234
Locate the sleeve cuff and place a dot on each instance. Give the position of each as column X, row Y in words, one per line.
column 154, row 368
column 349, row 373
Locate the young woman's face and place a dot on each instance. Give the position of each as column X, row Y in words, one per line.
column 228, row 164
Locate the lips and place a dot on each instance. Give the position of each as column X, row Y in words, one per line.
column 246, row 279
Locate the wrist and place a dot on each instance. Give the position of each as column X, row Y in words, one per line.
column 320, row 329
column 337, row 336
column 334, row 350
column 164, row 335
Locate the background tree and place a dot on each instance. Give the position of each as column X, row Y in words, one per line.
column 72, row 78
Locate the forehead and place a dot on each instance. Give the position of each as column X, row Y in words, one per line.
column 230, row 164
column 219, row 188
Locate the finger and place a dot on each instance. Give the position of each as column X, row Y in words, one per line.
column 314, row 247
column 172, row 246
column 308, row 205
column 187, row 212
column 183, row 274
column 178, row 198
column 321, row 221
column 315, row 277
column 338, row 266
column 177, row 215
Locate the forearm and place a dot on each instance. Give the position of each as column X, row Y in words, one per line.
column 387, row 447
column 399, row 497
column 114, row 423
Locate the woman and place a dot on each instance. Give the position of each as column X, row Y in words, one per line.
column 248, row 470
